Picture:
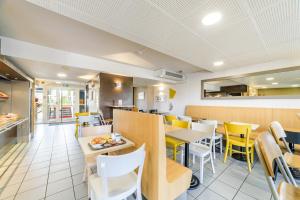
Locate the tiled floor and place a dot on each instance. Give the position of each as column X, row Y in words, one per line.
column 51, row 168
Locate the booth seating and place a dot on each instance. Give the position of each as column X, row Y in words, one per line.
column 163, row 178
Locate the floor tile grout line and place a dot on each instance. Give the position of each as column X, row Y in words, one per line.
column 69, row 162
column 52, row 139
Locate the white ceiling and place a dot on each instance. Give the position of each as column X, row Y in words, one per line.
column 251, row 31
column 24, row 21
column 41, row 70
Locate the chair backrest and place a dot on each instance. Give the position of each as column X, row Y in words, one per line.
column 279, row 134
column 237, row 129
column 277, row 130
column 88, row 118
column 116, row 166
column 185, row 118
column 95, row 130
column 170, row 118
column 210, row 122
column 206, row 128
column 181, row 124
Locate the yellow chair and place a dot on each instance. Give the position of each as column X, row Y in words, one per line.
column 77, row 121
column 175, row 143
column 170, row 118
column 246, row 143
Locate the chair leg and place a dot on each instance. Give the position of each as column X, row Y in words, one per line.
column 252, row 155
column 230, row 150
column 84, row 174
column 201, row 169
column 182, row 156
column 194, row 159
column 212, row 163
column 174, row 152
column 226, row 151
column 214, row 148
column 139, row 194
column 248, row 159
column 221, row 145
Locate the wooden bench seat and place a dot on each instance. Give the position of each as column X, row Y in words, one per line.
column 178, row 179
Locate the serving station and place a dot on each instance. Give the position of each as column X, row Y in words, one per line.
column 15, row 106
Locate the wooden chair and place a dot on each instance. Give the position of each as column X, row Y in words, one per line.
column 93, row 131
column 77, row 124
column 203, row 151
column 269, row 152
column 279, row 135
column 245, row 142
column 218, row 138
column 117, row 180
column 163, row 178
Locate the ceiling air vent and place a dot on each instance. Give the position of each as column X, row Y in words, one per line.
column 166, row 74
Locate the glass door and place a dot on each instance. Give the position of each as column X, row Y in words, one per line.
column 61, row 105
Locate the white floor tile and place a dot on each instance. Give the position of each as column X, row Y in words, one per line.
column 63, row 195
column 242, row 196
column 58, row 186
column 81, row 190
column 59, row 175
column 255, row 192
column 33, row 183
column 209, row 195
column 35, row 194
column 223, row 189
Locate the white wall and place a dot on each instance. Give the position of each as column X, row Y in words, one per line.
column 189, row 93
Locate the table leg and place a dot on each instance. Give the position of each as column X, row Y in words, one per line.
column 195, row 181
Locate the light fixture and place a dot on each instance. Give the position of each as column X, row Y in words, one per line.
column 118, row 85
column 58, row 82
column 61, row 75
column 295, row 85
column 218, row 63
column 7, row 74
column 275, row 83
column 87, row 77
column 269, row 79
column 211, row 18
column 16, row 78
column 161, row 88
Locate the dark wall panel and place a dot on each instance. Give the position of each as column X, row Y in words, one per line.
column 109, row 93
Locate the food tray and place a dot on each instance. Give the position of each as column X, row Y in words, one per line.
column 106, row 145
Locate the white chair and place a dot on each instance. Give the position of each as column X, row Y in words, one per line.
column 116, row 178
column 204, row 152
column 279, row 134
column 185, row 118
column 218, row 139
column 93, row 131
column 84, row 119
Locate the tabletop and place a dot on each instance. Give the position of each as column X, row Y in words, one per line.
column 87, row 151
column 187, row 135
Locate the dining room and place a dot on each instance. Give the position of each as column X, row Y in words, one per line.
column 149, row 100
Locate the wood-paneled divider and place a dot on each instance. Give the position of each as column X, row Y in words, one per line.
column 262, row 116
column 157, row 183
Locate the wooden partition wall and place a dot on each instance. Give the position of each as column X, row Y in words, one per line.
column 143, row 128
column 262, row 116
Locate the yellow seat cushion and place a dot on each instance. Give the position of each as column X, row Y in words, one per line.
column 241, row 142
column 173, row 142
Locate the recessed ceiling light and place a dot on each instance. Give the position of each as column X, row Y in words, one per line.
column 211, row 18
column 87, row 77
column 274, row 83
column 270, row 79
column 16, row 78
column 7, row 74
column 218, row 63
column 295, row 85
column 61, row 75
column 58, row 82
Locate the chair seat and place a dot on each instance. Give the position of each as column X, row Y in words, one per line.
column 118, row 186
column 199, row 149
column 288, row 192
column 292, row 160
column 173, row 142
column 241, row 142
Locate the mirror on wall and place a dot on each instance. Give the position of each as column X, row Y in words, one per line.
column 284, row 83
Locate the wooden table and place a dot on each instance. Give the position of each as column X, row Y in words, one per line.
column 293, row 137
column 88, row 152
column 188, row 136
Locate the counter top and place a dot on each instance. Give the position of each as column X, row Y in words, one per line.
column 8, row 123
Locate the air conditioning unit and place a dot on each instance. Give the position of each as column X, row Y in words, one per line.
column 166, row 74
